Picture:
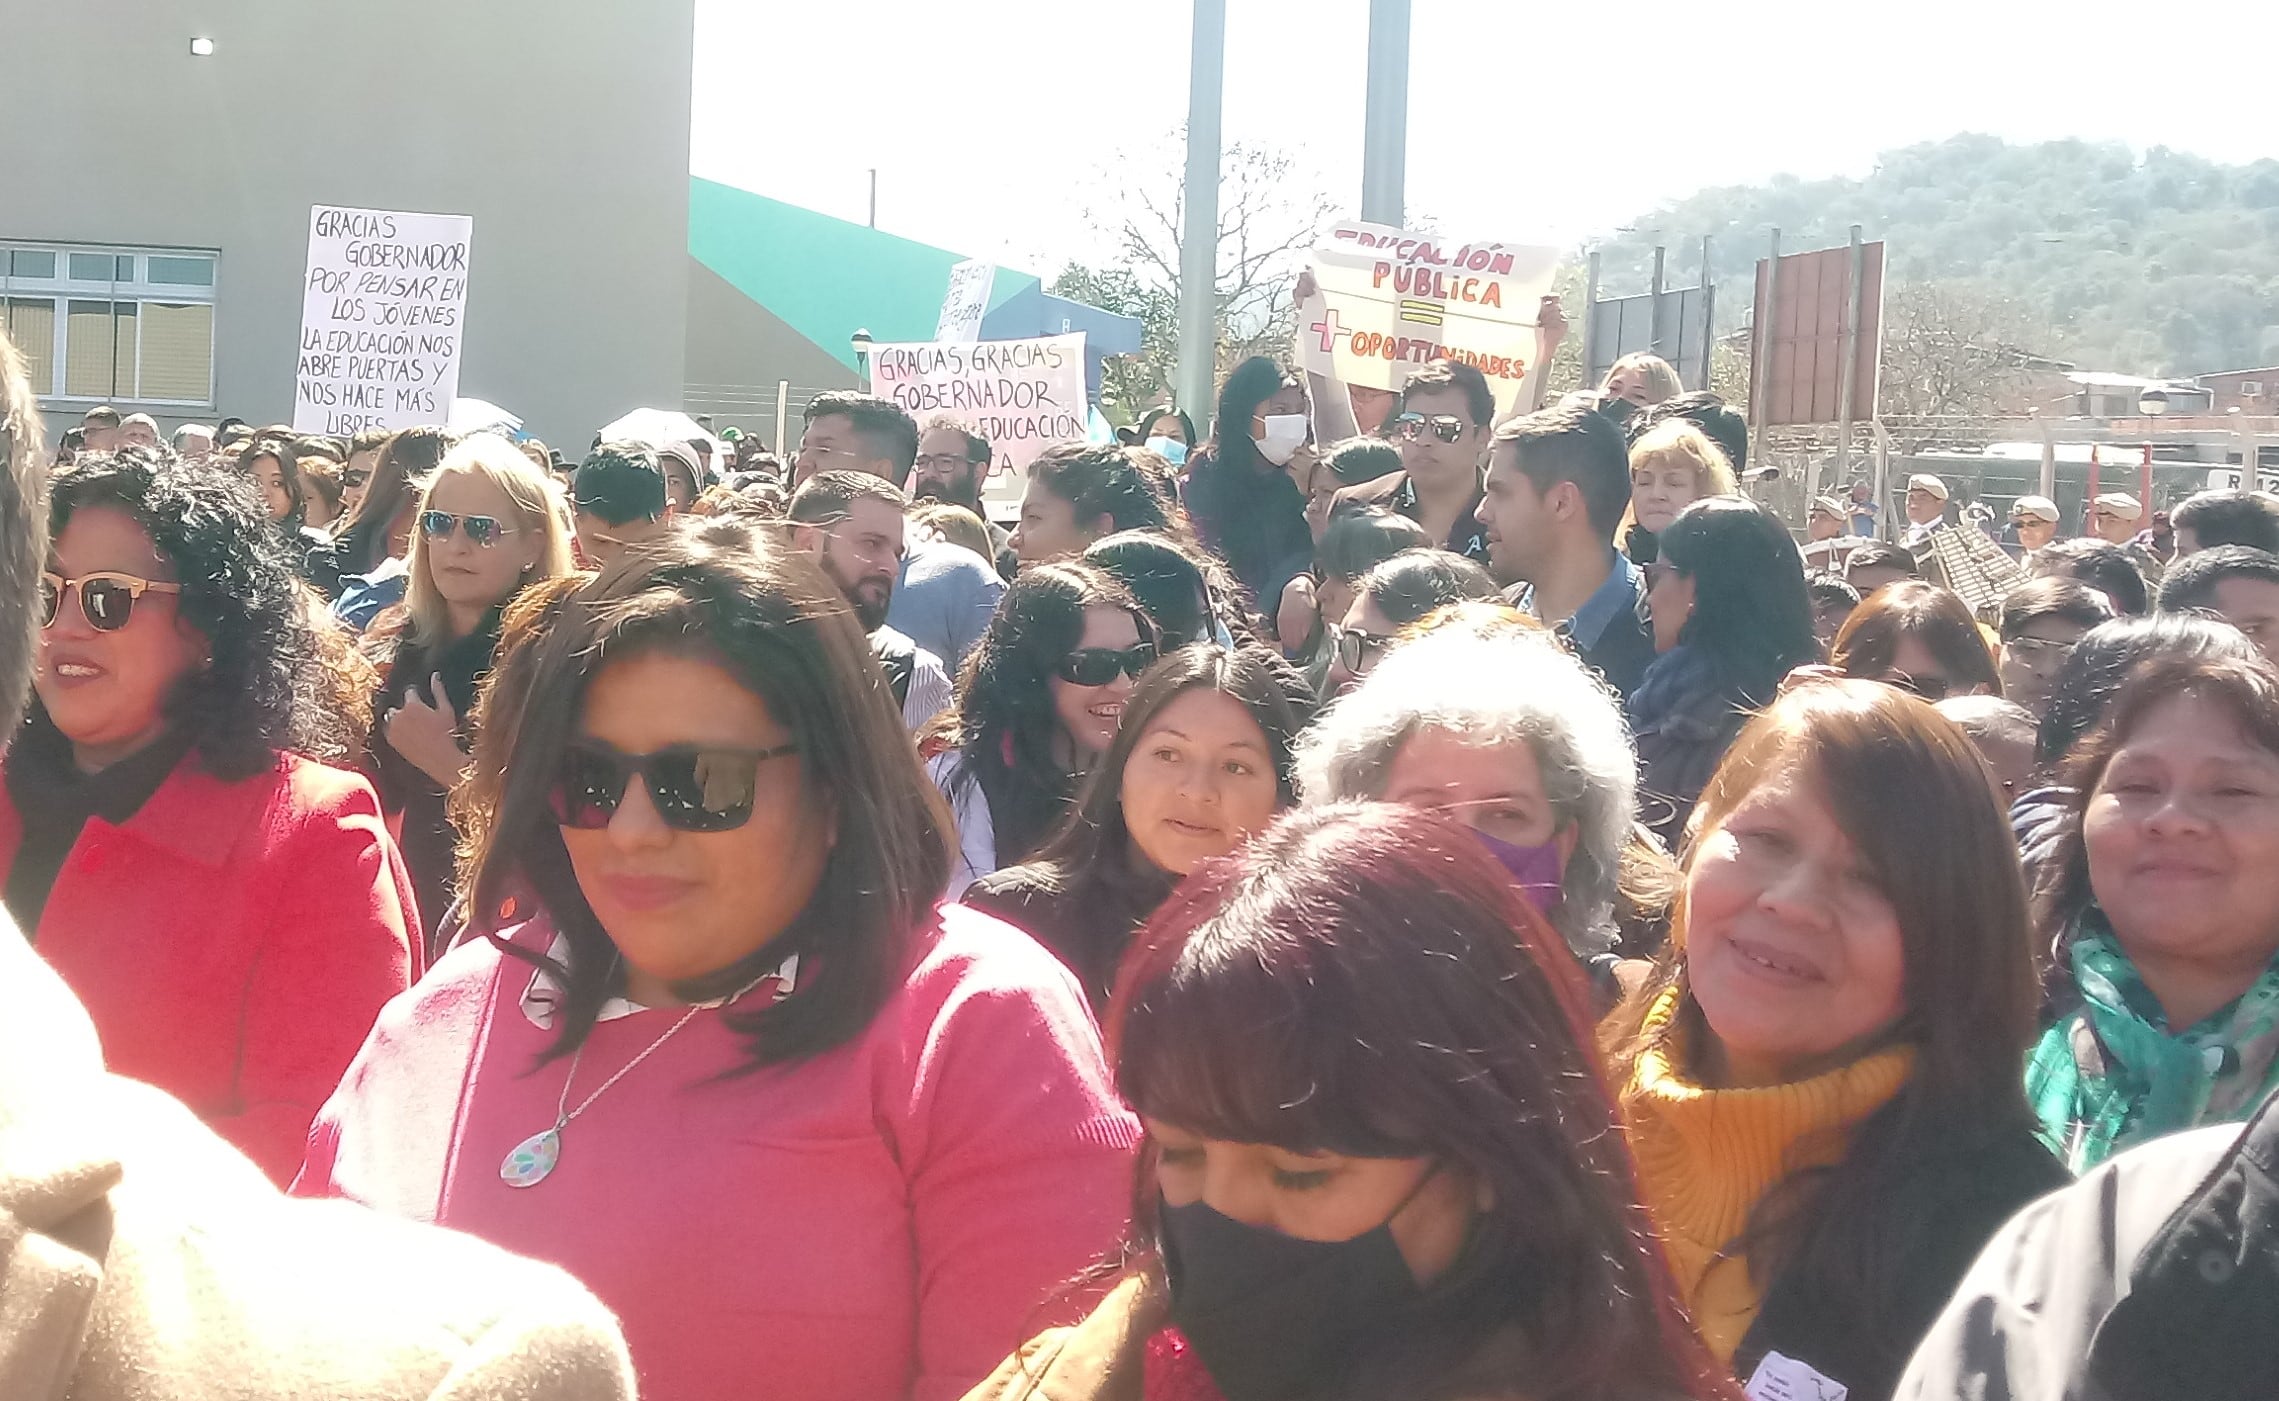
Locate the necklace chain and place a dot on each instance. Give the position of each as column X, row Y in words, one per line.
column 563, row 1115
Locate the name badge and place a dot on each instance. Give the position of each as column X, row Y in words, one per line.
column 1779, row 1378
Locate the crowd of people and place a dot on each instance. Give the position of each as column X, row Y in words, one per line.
column 1382, row 896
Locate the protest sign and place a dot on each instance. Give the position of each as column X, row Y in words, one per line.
column 968, row 299
column 383, row 311
column 1023, row 396
column 1386, row 301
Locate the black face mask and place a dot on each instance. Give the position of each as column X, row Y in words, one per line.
column 1267, row 1313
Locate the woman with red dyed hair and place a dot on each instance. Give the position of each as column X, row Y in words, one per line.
column 1381, row 1160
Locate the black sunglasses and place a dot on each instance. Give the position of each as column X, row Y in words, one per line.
column 106, row 598
column 1097, row 666
column 1357, row 651
column 693, row 789
column 355, row 478
column 1447, row 427
column 483, row 530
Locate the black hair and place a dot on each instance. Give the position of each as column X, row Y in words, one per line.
column 1825, row 589
column 891, row 432
column 766, row 614
column 406, row 459
column 1089, row 856
column 1358, row 543
column 1164, row 578
column 1479, row 400
column 1579, row 446
column 2192, row 580
column 620, row 482
column 1003, row 723
column 1358, row 460
column 2105, row 567
column 265, row 688
column 2229, row 518
column 2067, row 600
column 1879, row 554
column 1153, row 416
column 1416, row 582
column 23, row 533
column 1752, row 617
column 1106, row 479
column 2108, row 655
column 1248, row 385
column 1724, row 424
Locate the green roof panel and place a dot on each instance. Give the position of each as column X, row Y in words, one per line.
column 824, row 277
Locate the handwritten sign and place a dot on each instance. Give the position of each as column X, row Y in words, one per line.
column 1023, row 396
column 967, row 301
column 383, row 311
column 1387, row 301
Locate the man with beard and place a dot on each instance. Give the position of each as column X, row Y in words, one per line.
column 852, row 523
column 953, row 462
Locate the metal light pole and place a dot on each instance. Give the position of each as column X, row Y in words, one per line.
column 1385, row 118
column 1199, row 241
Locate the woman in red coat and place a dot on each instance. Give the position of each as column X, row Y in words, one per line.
column 232, row 912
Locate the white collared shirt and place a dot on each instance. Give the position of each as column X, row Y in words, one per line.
column 544, row 994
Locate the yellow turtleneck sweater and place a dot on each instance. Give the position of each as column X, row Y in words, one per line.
column 1707, row 1157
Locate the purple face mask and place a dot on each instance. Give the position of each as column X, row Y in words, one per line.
column 1536, row 868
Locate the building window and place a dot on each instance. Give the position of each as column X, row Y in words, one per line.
column 116, row 325
column 2251, row 389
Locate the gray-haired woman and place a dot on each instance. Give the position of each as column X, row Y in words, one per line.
column 1513, row 736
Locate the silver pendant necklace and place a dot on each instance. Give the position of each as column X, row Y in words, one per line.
column 532, row 1161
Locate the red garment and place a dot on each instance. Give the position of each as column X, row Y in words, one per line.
column 1171, row 1371
column 889, row 1219
column 233, row 941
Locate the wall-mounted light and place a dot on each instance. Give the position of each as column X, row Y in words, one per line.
column 201, row 48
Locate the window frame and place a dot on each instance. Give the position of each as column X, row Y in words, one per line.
column 63, row 289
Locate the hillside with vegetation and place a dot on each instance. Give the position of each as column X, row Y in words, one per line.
column 2160, row 263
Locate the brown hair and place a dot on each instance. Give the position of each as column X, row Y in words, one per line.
column 1934, row 616
column 1910, row 794
column 320, row 476
column 767, row 615
column 2245, row 687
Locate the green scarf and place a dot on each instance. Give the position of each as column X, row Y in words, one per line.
column 2110, row 1075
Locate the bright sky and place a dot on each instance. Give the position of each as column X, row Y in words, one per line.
column 996, row 124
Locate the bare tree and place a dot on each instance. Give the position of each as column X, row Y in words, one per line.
column 1956, row 350
column 1267, row 222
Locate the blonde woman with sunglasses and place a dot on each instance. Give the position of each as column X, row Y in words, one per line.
column 485, row 528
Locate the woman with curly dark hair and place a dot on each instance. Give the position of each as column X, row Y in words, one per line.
column 231, row 909
column 1038, row 702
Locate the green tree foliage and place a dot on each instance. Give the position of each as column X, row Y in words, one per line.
column 2161, row 264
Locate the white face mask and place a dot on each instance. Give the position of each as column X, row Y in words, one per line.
column 1284, row 432
column 1170, row 449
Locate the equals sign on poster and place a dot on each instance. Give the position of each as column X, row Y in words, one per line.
column 1423, row 313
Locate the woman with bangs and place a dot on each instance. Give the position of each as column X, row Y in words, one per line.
column 1820, row 1079
column 712, row 1047
column 1381, row 1159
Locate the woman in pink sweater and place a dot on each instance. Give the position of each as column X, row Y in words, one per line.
column 720, row 1055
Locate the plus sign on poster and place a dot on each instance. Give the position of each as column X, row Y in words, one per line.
column 1387, row 301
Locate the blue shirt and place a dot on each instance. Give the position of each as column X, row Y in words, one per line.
column 1618, row 595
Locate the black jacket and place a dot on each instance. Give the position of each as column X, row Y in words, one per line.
column 1086, row 919
column 2155, row 1276
column 407, row 794
column 1961, row 1200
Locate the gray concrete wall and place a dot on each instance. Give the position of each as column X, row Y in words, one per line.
column 560, row 125
column 730, row 338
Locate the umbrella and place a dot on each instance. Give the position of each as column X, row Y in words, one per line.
column 472, row 415
column 655, row 427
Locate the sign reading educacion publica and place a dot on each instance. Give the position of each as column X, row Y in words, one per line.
column 383, row 312
column 1023, row 396
column 1386, row 301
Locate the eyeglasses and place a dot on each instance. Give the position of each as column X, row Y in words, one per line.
column 483, row 530
column 1357, row 651
column 1447, row 427
column 355, row 478
column 693, row 789
column 2038, row 652
column 944, row 462
column 1097, row 666
column 106, row 598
